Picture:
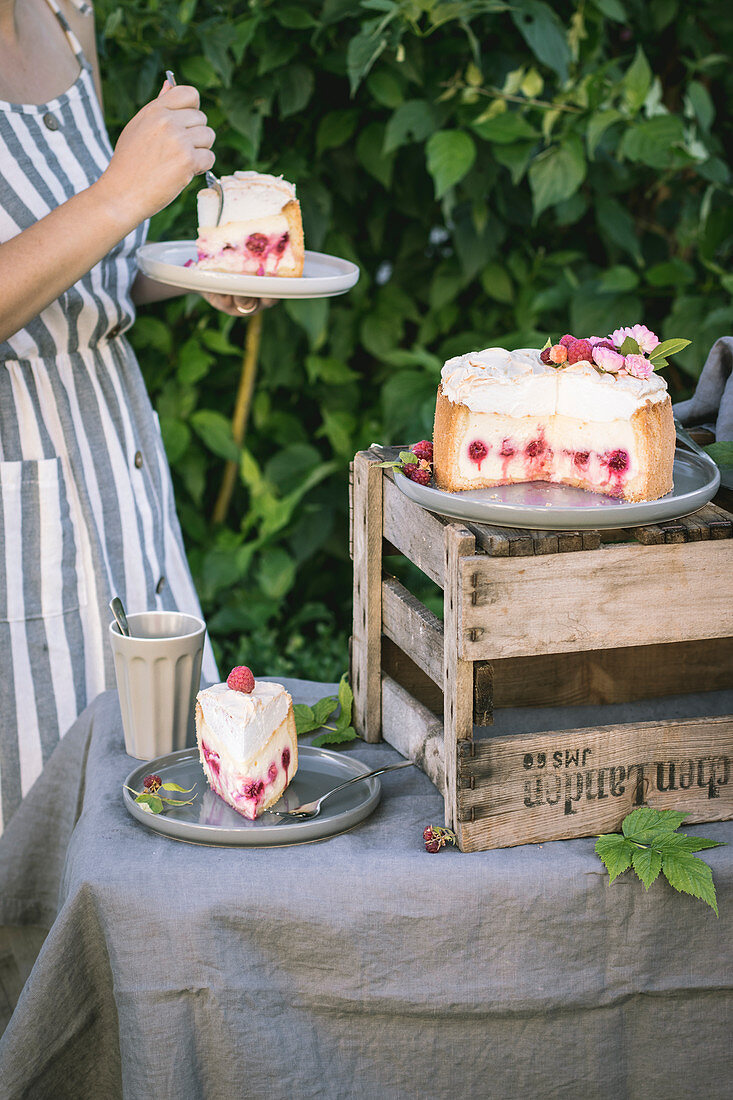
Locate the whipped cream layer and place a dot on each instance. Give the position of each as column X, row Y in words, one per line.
column 244, row 723
column 247, row 196
column 518, row 383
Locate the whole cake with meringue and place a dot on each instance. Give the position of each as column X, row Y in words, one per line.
column 591, row 413
column 259, row 231
column 247, row 741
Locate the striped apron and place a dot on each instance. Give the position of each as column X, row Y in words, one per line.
column 86, row 501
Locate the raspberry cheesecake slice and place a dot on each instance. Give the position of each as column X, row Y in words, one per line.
column 260, row 231
column 247, row 741
column 504, row 417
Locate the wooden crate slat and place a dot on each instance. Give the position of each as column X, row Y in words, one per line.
column 604, row 676
column 457, row 673
column 367, row 629
column 413, row 627
column 554, row 785
column 413, row 730
column 570, row 602
column 414, row 532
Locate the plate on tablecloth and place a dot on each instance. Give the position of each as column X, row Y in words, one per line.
column 209, row 820
column 541, row 506
column 323, row 275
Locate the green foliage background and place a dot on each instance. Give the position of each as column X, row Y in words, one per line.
column 499, row 171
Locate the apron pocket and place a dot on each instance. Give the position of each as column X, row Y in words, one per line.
column 39, row 577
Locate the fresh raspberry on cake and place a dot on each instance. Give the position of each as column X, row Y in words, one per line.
column 241, row 679
column 579, row 351
column 259, row 232
column 247, row 743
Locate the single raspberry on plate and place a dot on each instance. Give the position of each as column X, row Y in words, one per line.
column 579, row 350
column 241, row 679
column 416, row 472
column 423, row 449
column 152, row 783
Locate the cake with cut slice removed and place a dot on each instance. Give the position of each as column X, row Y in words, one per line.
column 259, row 232
column 247, row 741
column 579, row 414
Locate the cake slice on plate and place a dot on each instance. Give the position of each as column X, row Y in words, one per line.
column 248, row 745
column 260, row 231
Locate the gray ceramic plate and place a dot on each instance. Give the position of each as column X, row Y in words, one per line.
column 323, row 275
column 540, row 506
column 209, row 820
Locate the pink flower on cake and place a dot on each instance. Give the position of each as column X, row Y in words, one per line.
column 618, row 336
column 646, row 339
column 607, row 359
column 638, row 366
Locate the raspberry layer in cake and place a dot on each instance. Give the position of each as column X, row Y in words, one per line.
column 247, row 743
column 260, row 231
column 503, row 417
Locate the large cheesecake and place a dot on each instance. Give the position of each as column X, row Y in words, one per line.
column 510, row 416
column 259, row 232
column 247, row 743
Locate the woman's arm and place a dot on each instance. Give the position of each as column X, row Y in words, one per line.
column 157, row 155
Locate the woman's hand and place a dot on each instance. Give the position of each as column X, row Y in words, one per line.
column 158, row 153
column 236, row 306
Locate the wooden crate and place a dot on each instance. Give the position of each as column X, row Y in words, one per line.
column 542, row 618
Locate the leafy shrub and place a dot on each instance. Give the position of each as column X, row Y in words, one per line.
column 499, row 171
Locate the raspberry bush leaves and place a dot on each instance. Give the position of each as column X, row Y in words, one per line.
column 650, row 843
column 316, row 717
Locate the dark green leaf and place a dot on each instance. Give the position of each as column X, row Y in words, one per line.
column 556, row 174
column 362, row 52
column 613, row 9
column 721, row 453
column 597, row 126
column 652, row 142
column 296, row 88
column 324, row 708
column 335, row 737
column 669, row 347
column 385, row 87
column 412, row 121
column 215, row 431
column 544, row 34
column 335, row 129
column 505, row 129
column 451, row 154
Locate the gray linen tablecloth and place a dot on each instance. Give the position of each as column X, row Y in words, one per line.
column 360, row 966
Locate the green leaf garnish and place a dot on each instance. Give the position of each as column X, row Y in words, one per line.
column 721, row 453
column 175, row 787
column 629, row 347
column 667, row 348
column 649, row 842
column 312, row 718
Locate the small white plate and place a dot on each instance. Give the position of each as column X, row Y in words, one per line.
column 323, row 275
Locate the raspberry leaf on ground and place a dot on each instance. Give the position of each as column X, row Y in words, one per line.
column 650, row 843
column 305, row 719
column 336, row 736
column 642, row 824
column 615, row 852
column 324, row 708
column 690, row 875
column 647, row 863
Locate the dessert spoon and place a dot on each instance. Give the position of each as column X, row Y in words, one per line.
column 118, row 610
column 312, row 809
column 211, row 180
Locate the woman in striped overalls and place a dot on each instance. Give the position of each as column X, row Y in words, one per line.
column 86, row 504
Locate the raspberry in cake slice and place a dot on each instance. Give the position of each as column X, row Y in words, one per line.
column 247, row 741
column 505, row 417
column 260, row 231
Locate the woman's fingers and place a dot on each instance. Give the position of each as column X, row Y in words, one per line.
column 202, row 161
column 203, row 137
column 238, row 306
column 183, row 95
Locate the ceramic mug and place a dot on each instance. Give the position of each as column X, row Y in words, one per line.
column 158, row 672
